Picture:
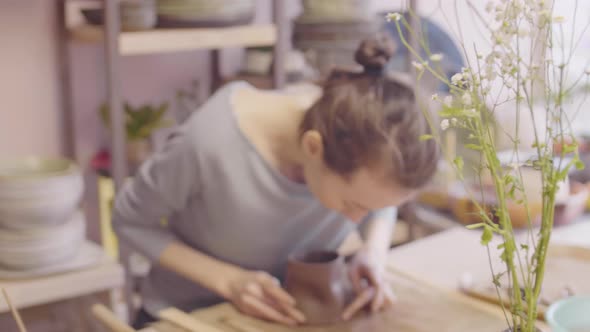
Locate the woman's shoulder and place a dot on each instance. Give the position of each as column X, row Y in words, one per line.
column 213, row 126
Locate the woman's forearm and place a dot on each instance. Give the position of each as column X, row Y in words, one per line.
column 378, row 234
column 198, row 267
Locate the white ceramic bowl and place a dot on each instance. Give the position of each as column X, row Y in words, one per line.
column 23, row 249
column 37, row 191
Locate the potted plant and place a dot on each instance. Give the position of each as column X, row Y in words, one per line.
column 526, row 70
column 140, row 123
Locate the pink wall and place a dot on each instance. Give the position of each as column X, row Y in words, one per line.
column 30, row 103
column 145, row 79
column 30, row 84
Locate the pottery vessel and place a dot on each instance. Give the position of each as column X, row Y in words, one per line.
column 331, row 44
column 337, row 10
column 570, row 314
column 204, row 13
column 40, row 247
column 38, row 191
column 319, row 282
column 136, row 15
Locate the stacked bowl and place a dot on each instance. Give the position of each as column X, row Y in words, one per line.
column 204, row 13
column 323, row 11
column 328, row 32
column 40, row 224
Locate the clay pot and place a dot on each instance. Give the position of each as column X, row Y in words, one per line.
column 319, row 282
column 136, row 15
column 38, row 191
column 338, row 10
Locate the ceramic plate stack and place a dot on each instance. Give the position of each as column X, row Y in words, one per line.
column 40, row 225
column 329, row 31
column 24, row 249
column 204, row 13
column 322, row 11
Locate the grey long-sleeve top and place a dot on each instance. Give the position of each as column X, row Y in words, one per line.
column 219, row 196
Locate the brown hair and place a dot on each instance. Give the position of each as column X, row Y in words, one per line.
column 369, row 118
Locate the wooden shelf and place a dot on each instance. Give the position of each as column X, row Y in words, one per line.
column 106, row 275
column 172, row 40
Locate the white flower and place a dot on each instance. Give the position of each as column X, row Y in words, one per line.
column 545, row 12
column 558, row 19
column 391, row 17
column 490, row 59
column 418, row 65
column 457, row 78
column 507, row 62
column 489, row 6
column 454, row 121
column 522, row 32
column 466, row 98
column 490, row 73
column 434, row 96
column 448, row 101
column 436, row 57
column 444, row 124
column 514, row 166
column 471, row 112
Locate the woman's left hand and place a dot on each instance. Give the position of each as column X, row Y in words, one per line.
column 367, row 273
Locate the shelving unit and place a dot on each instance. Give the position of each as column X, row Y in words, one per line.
column 118, row 44
column 175, row 40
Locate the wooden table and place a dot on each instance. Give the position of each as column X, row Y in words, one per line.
column 438, row 263
column 420, row 308
column 425, row 275
column 446, row 258
column 60, row 302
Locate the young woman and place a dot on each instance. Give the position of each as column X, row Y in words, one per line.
column 254, row 176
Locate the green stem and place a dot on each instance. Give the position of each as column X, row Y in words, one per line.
column 426, row 65
column 505, row 222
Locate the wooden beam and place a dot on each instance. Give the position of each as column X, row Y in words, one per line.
column 282, row 43
column 63, row 59
column 118, row 139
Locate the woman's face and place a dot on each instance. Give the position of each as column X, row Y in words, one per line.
column 354, row 196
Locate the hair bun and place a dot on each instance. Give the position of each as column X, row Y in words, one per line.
column 374, row 53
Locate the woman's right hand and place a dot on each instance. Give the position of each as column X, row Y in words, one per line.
column 258, row 294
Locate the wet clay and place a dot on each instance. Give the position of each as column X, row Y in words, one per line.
column 319, row 282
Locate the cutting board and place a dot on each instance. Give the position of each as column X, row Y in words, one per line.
column 420, row 308
column 567, row 272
